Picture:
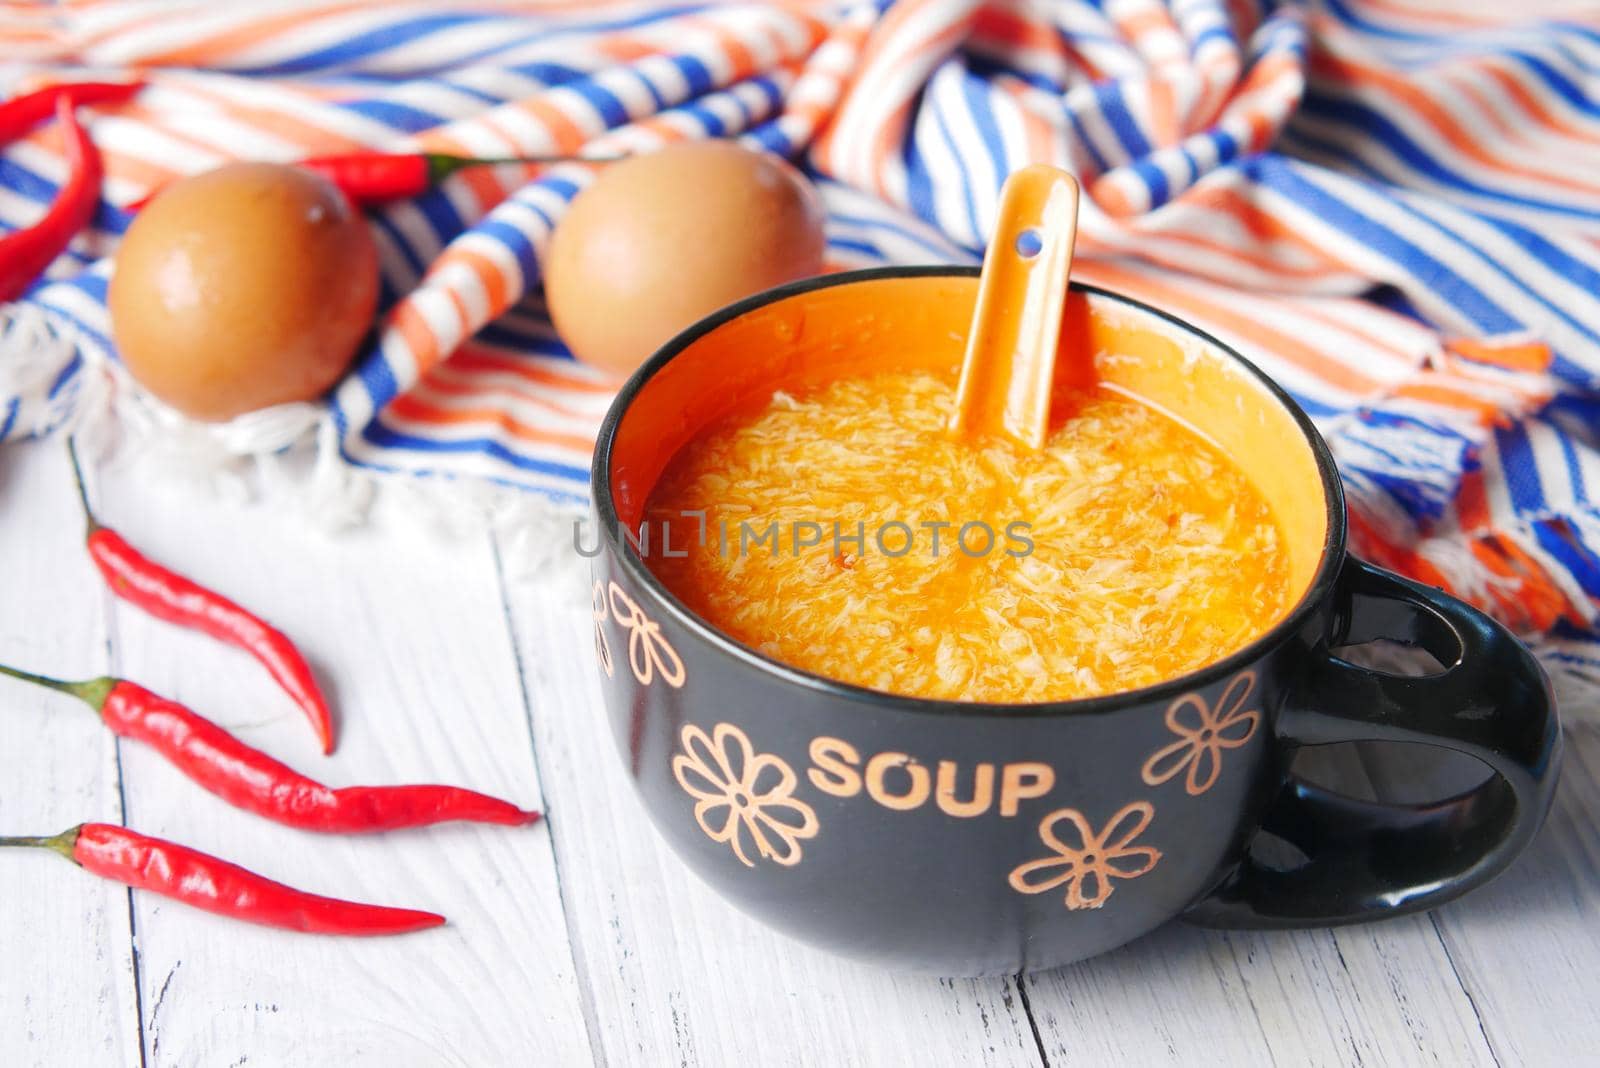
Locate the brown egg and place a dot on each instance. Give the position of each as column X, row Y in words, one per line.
column 663, row 239
column 244, row 287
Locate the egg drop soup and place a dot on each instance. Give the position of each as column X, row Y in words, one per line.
column 839, row 528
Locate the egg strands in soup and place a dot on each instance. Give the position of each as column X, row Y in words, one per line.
column 1144, row 553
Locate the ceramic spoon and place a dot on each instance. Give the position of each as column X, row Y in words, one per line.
column 1010, row 363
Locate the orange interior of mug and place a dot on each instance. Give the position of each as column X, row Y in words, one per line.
column 920, row 323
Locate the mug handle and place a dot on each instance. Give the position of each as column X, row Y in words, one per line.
column 1366, row 860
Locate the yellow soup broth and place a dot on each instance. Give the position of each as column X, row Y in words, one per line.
column 1129, row 551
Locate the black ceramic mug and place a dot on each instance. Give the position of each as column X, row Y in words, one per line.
column 974, row 839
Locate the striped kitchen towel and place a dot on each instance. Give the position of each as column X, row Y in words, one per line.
column 1392, row 206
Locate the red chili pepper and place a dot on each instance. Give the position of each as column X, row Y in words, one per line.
column 375, row 177
column 21, row 113
column 378, row 177
column 26, row 253
column 167, row 595
column 251, row 780
column 205, row 882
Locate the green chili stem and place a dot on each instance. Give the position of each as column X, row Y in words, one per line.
column 93, row 692
column 77, row 479
column 62, row 843
column 442, row 165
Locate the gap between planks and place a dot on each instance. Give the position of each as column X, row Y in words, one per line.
column 580, row 960
column 114, row 667
column 72, row 966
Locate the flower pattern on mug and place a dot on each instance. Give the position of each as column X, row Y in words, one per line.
column 1203, row 733
column 602, row 648
column 743, row 795
column 649, row 652
column 1085, row 862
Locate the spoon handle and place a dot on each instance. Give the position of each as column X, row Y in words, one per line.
column 1010, row 361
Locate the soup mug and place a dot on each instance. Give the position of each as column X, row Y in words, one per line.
column 974, row 839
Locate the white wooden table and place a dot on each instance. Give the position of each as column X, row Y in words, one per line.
column 582, row 939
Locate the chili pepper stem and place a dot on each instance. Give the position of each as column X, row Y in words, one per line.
column 92, row 692
column 77, row 480
column 63, row 843
column 442, row 165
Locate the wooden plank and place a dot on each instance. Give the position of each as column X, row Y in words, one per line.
column 1375, row 995
column 408, row 633
column 67, row 991
column 677, row 975
column 1526, row 947
column 1382, row 993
